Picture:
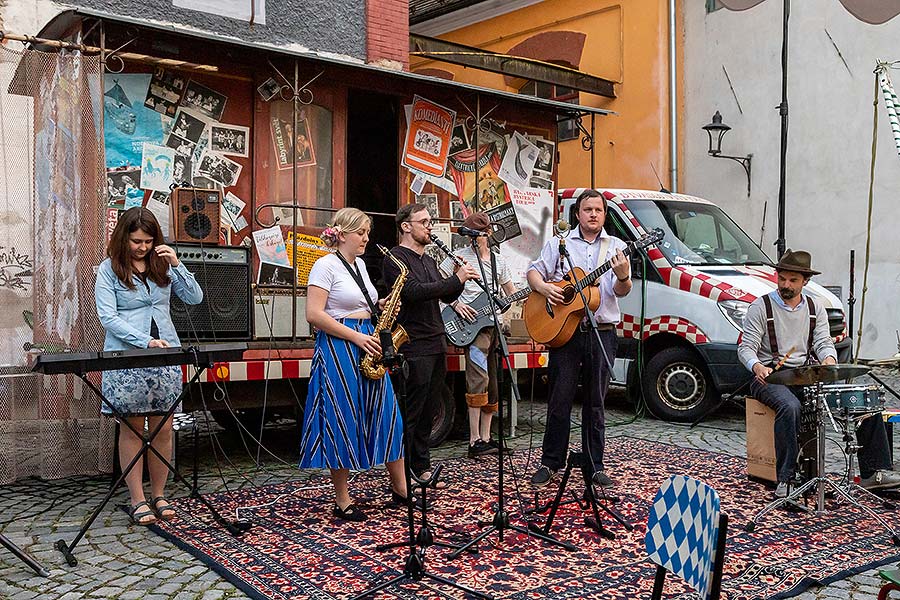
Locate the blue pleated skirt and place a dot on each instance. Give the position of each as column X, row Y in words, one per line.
column 350, row 421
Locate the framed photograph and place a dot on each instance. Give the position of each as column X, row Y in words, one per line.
column 165, row 91
column 269, row 89
column 222, row 170
column 283, row 138
column 229, row 139
column 188, row 126
column 204, row 100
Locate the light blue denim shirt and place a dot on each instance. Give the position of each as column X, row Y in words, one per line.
column 126, row 314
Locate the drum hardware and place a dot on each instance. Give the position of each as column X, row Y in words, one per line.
column 816, row 389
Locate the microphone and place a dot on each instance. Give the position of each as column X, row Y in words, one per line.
column 561, row 227
column 471, row 232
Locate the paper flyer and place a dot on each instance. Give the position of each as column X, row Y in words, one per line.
column 518, row 162
column 309, row 249
column 270, row 246
column 427, row 145
column 157, row 167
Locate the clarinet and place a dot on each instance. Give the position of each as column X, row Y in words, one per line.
column 443, row 247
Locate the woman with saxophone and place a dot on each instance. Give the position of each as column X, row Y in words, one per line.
column 351, row 421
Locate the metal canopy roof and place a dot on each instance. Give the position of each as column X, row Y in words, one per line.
column 514, row 66
column 65, row 20
column 424, row 10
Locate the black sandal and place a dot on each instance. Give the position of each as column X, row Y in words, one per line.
column 166, row 513
column 137, row 518
column 351, row 513
column 399, row 500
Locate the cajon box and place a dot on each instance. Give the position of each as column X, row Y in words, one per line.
column 760, row 441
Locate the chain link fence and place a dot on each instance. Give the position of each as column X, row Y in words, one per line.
column 52, row 196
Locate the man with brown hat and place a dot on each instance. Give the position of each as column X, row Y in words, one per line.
column 481, row 354
column 788, row 327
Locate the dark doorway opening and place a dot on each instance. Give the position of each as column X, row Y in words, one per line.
column 372, row 168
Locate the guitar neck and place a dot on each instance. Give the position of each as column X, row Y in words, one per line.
column 591, row 277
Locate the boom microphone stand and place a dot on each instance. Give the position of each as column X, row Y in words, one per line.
column 586, row 457
column 414, row 567
column 500, row 520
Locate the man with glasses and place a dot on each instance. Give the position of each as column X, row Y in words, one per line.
column 420, row 315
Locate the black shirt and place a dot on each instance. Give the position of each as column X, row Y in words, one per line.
column 420, row 314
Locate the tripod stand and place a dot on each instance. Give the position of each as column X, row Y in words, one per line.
column 500, row 519
column 414, row 567
column 23, row 556
column 820, row 482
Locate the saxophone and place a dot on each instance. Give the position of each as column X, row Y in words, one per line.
column 371, row 365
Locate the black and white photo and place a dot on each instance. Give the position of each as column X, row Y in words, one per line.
column 181, row 170
column 269, row 89
column 204, row 100
column 459, row 139
column 119, row 182
column 271, row 274
column 180, row 145
column 546, row 154
column 164, row 92
column 222, row 170
column 229, row 139
column 431, row 201
column 541, row 182
column 187, row 126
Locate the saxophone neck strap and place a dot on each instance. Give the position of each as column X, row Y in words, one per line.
column 357, row 277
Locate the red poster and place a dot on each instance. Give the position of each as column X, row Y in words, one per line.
column 428, row 137
column 491, row 189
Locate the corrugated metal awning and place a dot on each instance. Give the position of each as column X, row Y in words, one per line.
column 506, row 64
column 424, row 10
column 65, row 21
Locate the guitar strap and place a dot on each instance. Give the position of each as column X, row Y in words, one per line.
column 604, row 248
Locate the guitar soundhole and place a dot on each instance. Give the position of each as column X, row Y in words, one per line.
column 569, row 293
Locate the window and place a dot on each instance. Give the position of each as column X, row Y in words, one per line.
column 713, row 5
column 567, row 129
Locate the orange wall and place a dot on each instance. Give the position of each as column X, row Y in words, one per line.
column 626, row 43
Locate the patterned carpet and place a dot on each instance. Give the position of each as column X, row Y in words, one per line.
column 297, row 550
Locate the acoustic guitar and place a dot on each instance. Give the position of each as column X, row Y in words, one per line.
column 461, row 332
column 554, row 325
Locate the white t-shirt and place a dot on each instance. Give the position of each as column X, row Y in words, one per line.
column 344, row 295
column 472, row 289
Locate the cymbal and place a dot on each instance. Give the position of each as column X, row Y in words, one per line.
column 814, row 374
column 894, row 361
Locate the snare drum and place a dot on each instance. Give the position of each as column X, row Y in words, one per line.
column 854, row 398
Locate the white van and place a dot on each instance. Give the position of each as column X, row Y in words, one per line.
column 690, row 296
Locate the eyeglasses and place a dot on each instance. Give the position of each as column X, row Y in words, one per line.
column 426, row 223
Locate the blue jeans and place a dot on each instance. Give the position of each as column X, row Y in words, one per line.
column 874, row 455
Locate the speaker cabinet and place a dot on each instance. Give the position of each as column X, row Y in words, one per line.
column 196, row 214
column 272, row 313
column 224, row 275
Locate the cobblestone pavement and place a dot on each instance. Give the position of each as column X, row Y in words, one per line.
column 127, row 562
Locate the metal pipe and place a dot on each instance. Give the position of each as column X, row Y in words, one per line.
column 783, row 111
column 673, row 103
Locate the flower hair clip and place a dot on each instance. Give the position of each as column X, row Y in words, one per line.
column 329, row 235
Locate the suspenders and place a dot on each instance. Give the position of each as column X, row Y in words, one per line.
column 773, row 338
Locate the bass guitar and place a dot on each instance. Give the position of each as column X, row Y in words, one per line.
column 554, row 325
column 461, row 332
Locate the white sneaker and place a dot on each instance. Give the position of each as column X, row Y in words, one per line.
column 881, row 480
column 781, row 490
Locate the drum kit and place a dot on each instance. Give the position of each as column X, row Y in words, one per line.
column 834, row 401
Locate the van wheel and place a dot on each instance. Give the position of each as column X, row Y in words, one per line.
column 444, row 412
column 677, row 386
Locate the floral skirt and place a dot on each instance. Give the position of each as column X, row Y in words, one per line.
column 133, row 392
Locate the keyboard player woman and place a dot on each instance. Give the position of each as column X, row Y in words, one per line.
column 132, row 294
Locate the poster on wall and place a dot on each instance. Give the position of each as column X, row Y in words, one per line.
column 127, row 123
column 518, row 162
column 283, row 140
column 504, row 223
column 309, row 249
column 157, row 167
column 534, row 215
column 428, row 134
column 491, row 189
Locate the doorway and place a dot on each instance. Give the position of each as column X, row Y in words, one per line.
column 372, row 167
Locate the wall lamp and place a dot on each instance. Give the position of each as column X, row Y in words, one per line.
column 716, row 131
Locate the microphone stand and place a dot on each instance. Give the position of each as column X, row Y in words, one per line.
column 414, row 567
column 500, row 520
column 586, row 462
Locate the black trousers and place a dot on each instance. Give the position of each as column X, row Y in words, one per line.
column 426, row 375
column 582, row 355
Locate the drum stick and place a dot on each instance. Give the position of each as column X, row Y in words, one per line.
column 781, row 362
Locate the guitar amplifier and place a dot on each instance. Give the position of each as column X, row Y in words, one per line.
column 224, row 276
column 272, row 313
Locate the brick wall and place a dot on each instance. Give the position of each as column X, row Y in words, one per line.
column 387, row 32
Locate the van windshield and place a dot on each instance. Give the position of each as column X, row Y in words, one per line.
column 697, row 234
